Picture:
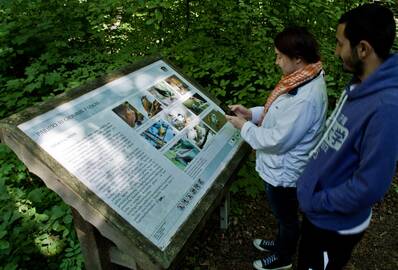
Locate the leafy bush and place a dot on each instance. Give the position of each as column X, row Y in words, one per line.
column 35, row 224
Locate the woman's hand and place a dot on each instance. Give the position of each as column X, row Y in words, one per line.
column 236, row 121
column 241, row 111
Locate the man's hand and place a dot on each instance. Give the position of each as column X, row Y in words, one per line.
column 237, row 122
column 241, row 111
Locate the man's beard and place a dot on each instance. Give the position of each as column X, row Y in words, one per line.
column 354, row 65
column 357, row 64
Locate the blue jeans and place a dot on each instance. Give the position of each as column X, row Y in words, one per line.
column 284, row 206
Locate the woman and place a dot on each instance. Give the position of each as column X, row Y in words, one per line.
column 282, row 132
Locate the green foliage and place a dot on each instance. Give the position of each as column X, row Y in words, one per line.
column 49, row 47
column 35, row 224
column 395, row 187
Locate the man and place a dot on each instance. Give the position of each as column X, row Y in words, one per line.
column 352, row 166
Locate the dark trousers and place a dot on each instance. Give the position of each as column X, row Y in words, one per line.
column 315, row 241
column 284, row 206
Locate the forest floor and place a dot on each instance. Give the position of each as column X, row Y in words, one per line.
column 232, row 249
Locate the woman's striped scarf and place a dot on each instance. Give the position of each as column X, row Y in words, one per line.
column 290, row 82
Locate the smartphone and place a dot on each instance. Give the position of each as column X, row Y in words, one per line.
column 226, row 109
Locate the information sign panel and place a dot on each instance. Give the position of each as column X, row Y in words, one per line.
column 149, row 144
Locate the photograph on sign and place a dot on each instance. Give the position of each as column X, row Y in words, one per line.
column 196, row 104
column 149, row 144
column 215, row 119
column 129, row 114
column 179, row 117
column 182, row 153
column 177, row 84
column 159, row 134
column 163, row 92
column 146, row 105
column 200, row 134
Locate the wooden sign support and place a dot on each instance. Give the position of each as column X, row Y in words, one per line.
column 101, row 254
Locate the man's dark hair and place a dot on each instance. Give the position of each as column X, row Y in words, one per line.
column 372, row 23
column 297, row 42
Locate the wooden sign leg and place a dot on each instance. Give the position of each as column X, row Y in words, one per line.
column 224, row 211
column 120, row 258
column 99, row 253
column 94, row 247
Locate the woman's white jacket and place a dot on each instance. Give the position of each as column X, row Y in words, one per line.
column 288, row 132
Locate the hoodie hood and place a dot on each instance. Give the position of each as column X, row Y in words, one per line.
column 384, row 78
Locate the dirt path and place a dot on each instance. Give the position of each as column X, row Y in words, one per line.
column 215, row 249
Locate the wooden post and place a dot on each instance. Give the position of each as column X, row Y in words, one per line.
column 99, row 253
column 94, row 249
column 120, row 258
column 224, row 211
